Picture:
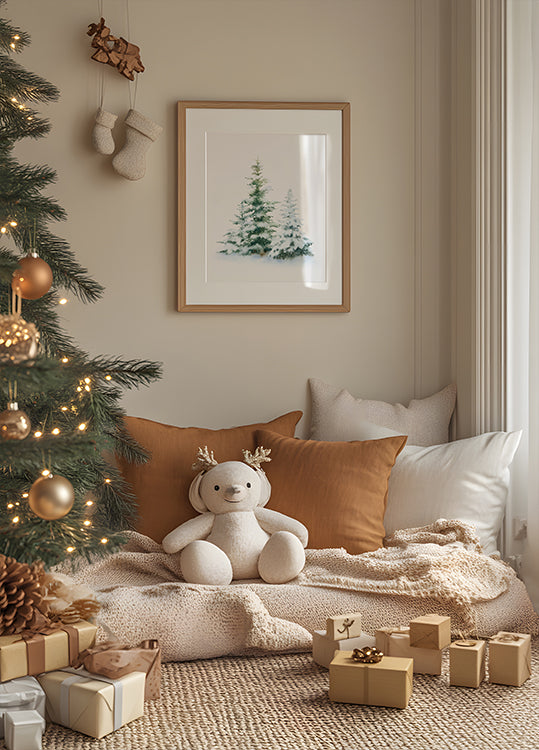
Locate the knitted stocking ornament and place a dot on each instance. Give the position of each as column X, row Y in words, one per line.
column 130, row 161
column 102, row 135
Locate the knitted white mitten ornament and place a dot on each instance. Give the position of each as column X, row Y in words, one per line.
column 130, row 161
column 102, row 135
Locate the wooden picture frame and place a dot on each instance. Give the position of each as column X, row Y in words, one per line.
column 263, row 206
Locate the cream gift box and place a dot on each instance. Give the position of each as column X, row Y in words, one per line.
column 430, row 631
column 342, row 627
column 396, row 642
column 387, row 683
column 509, row 658
column 467, row 663
column 93, row 704
column 24, row 694
column 24, row 730
column 32, row 653
column 324, row 647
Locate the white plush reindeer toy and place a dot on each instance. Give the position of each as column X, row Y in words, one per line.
column 236, row 537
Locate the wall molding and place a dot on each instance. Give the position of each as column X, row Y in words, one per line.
column 478, row 245
column 490, row 213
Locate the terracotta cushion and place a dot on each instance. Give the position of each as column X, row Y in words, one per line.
column 161, row 486
column 337, row 489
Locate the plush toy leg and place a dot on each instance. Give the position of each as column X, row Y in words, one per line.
column 204, row 562
column 282, row 558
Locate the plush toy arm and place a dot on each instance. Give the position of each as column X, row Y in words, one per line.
column 190, row 531
column 271, row 521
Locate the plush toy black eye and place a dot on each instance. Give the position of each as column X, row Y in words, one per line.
column 216, row 487
column 249, row 484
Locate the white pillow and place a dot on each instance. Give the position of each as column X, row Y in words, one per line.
column 465, row 480
column 337, row 415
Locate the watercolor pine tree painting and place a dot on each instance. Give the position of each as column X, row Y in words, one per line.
column 290, row 242
column 255, row 231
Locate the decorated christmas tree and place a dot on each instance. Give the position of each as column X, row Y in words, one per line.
column 59, row 494
column 290, row 241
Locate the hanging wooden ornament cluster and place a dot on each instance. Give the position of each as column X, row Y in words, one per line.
column 19, row 340
column 32, row 278
column 115, row 51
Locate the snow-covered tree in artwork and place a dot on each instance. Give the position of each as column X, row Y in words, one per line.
column 290, row 241
column 234, row 241
column 259, row 226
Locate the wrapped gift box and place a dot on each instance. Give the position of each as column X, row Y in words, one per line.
column 33, row 653
column 387, row 683
column 342, row 627
column 324, row 647
column 396, row 642
column 467, row 663
column 112, row 659
column 24, row 730
column 510, row 658
column 93, row 704
column 430, row 631
column 24, row 694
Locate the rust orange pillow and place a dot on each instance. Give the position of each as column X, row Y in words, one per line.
column 161, row 486
column 338, row 490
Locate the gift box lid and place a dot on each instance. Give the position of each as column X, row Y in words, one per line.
column 24, row 718
column 392, row 663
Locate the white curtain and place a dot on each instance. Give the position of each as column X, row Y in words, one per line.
column 523, row 273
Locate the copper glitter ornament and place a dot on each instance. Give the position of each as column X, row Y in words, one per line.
column 51, row 497
column 19, row 340
column 32, row 278
column 14, row 423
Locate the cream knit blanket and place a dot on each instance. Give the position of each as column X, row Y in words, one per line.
column 437, row 567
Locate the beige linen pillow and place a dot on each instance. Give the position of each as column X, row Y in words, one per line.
column 337, row 415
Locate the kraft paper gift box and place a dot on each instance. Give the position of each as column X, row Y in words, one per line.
column 387, row 683
column 396, row 642
column 324, row 647
column 341, row 627
column 24, row 730
column 24, row 694
column 113, row 659
column 430, row 631
column 93, row 704
column 32, row 653
column 509, row 658
column 467, row 663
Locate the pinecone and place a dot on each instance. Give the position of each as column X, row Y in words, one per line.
column 20, row 595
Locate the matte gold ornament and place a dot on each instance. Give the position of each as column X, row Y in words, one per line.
column 51, row 497
column 14, row 423
column 19, row 340
column 33, row 277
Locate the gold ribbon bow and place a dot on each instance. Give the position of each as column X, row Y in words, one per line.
column 505, row 638
column 367, row 655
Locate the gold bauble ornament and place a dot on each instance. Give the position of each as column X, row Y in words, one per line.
column 14, row 423
column 19, row 340
column 51, row 497
column 32, row 278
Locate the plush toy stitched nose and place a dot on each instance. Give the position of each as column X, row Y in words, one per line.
column 234, row 489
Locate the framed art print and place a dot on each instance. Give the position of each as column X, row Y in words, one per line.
column 264, row 206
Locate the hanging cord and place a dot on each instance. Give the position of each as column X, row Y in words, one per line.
column 101, row 71
column 132, row 89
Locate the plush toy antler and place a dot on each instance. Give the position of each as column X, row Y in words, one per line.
column 258, row 457
column 204, row 460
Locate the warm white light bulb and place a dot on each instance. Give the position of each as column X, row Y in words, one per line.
column 82, row 426
column 45, row 472
column 56, row 431
column 15, row 519
column 104, row 540
column 38, row 433
column 70, row 549
column 62, row 301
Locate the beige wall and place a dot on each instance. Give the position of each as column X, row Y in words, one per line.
column 390, row 59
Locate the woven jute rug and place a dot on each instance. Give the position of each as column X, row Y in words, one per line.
column 281, row 702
